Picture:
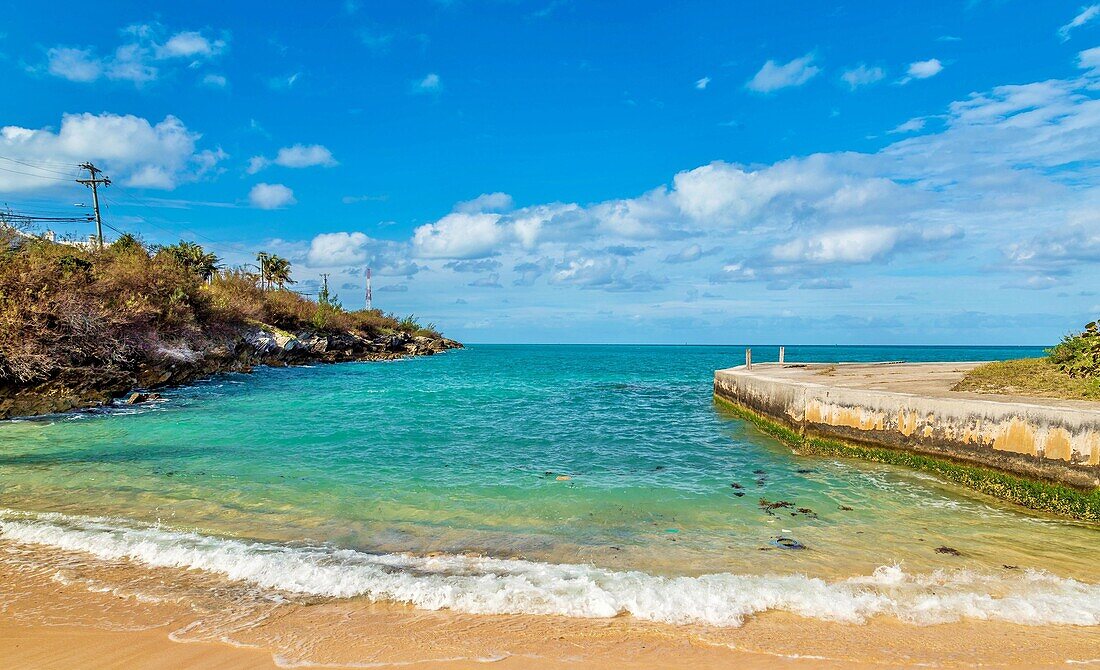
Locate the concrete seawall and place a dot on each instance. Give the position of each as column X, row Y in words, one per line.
column 1051, row 440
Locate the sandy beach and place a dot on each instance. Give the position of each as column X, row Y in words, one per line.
column 51, row 622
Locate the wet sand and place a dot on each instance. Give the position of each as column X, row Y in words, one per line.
column 52, row 623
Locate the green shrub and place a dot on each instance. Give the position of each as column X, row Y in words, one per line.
column 1078, row 354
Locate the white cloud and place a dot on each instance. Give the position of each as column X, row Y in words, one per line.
column 431, row 83
column 861, row 75
column 338, row 249
column 853, row 245
column 74, row 64
column 130, row 64
column 215, row 80
column 301, row 155
column 922, row 69
column 271, row 196
column 774, row 76
column 486, row 202
column 190, row 44
column 981, row 198
column 297, row 156
column 460, row 235
column 133, row 60
column 1087, row 14
column 131, row 149
column 910, row 126
column 1089, row 59
column 701, row 84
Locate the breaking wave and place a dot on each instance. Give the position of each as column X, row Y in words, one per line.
column 494, row 586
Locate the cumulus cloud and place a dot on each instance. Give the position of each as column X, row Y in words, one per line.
column 131, row 149
column 271, row 196
column 853, row 245
column 928, row 204
column 774, row 76
column 861, row 75
column 338, row 249
column 460, row 235
column 1087, row 14
column 354, row 250
column 922, row 69
column 190, row 44
column 297, row 156
column 1055, row 252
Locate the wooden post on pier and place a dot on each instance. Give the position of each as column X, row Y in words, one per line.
column 782, row 354
column 748, row 359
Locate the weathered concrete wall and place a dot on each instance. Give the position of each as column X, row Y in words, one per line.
column 1039, row 441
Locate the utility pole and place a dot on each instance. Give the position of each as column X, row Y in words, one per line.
column 370, row 298
column 93, row 182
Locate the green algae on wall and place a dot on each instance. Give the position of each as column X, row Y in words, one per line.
column 1048, row 497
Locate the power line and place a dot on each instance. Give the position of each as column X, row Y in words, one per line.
column 216, row 243
column 71, row 174
column 42, row 161
column 31, row 174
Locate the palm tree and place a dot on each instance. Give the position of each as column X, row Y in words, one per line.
column 274, row 270
column 194, row 258
column 278, row 271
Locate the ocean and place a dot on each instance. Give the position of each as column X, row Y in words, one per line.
column 580, row 481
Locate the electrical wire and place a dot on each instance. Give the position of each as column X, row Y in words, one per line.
column 31, row 174
column 71, row 173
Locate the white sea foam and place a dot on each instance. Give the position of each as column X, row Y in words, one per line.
column 496, row 586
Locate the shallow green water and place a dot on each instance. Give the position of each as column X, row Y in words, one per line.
column 462, row 454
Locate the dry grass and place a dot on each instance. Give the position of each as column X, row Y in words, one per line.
column 1038, row 377
column 65, row 307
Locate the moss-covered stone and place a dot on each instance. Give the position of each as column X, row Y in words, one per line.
column 1044, row 496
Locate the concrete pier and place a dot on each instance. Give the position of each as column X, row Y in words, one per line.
column 910, row 406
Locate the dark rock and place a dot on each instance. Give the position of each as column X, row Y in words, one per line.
column 788, row 543
column 950, row 551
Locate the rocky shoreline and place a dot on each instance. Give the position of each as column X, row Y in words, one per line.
column 240, row 351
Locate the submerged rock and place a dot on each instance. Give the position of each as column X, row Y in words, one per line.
column 788, row 543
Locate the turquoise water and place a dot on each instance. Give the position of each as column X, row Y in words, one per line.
column 543, row 479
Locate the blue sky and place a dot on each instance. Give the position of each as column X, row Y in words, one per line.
column 565, row 171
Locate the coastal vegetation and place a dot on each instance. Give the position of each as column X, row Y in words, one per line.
column 132, row 314
column 1070, row 370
